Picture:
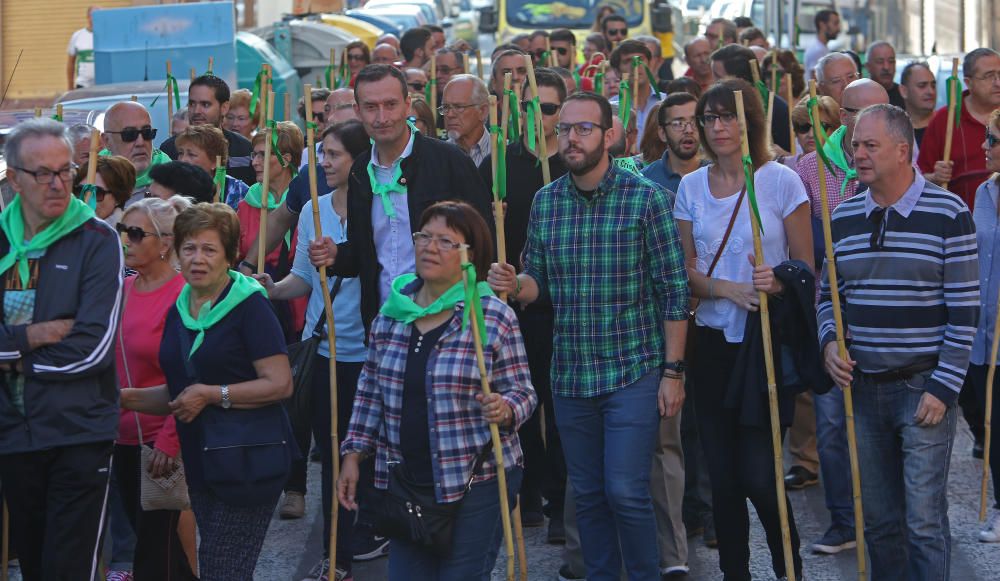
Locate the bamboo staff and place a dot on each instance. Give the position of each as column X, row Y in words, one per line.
column 634, row 83
column 990, row 375
column 211, row 66
column 265, row 195
column 135, row 99
column 193, row 74
column 522, row 554
column 552, row 57
column 772, row 389
column 494, row 430
column 498, row 217
column 432, row 82
column 543, row 153
column 59, row 111
column 170, row 96
column 5, row 548
column 38, row 110
column 219, row 188
column 479, row 63
column 331, row 80
column 331, row 330
column 791, row 126
column 505, row 106
column 95, row 138
column 262, row 105
column 831, row 269
column 953, row 96
column 769, row 105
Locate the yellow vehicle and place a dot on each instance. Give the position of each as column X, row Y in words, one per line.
column 366, row 32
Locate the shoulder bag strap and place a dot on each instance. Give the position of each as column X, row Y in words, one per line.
column 729, row 230
column 318, row 329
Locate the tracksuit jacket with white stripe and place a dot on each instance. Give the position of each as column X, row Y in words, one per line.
column 70, row 391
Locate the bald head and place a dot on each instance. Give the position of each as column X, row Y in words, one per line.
column 390, row 39
column 339, row 106
column 858, row 95
column 128, row 115
column 384, row 54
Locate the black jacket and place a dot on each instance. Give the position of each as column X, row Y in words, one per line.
column 70, row 390
column 434, row 171
column 795, row 341
column 239, row 156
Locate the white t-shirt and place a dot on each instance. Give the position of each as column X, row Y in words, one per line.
column 816, row 51
column 779, row 192
column 81, row 45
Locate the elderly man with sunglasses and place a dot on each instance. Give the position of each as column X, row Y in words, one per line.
column 61, row 293
column 908, row 273
column 128, row 132
column 831, row 422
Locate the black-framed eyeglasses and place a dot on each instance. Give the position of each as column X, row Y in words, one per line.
column 130, row 134
column 547, row 108
column 807, row 127
column 416, row 86
column 44, row 176
column 583, row 128
column 991, row 140
column 709, row 119
column 680, row 124
column 135, row 234
column 423, row 240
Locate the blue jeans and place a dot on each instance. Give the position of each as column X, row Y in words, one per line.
column 834, row 459
column 608, row 443
column 476, row 542
column 904, row 481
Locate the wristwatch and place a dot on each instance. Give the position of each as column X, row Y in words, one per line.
column 225, row 403
column 677, row 366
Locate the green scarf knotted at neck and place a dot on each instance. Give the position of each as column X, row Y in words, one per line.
column 208, row 315
column 834, row 150
column 12, row 224
column 254, row 199
column 402, row 308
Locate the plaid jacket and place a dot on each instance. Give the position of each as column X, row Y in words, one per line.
column 458, row 430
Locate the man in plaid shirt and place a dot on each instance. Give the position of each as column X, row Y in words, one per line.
column 603, row 245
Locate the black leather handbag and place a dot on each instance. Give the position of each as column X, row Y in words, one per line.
column 409, row 511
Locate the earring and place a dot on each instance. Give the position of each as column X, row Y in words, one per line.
column 163, row 257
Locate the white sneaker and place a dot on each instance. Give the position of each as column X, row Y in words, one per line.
column 991, row 532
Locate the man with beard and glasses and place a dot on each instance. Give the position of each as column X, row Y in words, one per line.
column 129, row 133
column 602, row 245
column 677, row 129
column 208, row 103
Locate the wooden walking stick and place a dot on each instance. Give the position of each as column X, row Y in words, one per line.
column 831, row 269
column 170, row 96
column 522, row 554
column 432, row 83
column 505, row 108
column 768, row 105
column 193, row 74
column 262, row 106
column 95, row 138
column 772, row 388
column 265, row 184
column 331, row 70
column 543, row 154
column 5, row 548
column 479, row 63
column 211, row 66
column 791, row 126
column 498, row 215
column 552, row 57
column 954, row 94
column 331, row 331
column 59, row 112
column 494, row 430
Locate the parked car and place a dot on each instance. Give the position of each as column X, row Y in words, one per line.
column 405, row 15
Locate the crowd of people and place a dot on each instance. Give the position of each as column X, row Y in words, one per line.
column 152, row 403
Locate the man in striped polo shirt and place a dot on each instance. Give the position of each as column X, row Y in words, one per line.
column 907, row 269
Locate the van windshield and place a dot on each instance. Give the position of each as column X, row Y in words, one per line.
column 569, row 13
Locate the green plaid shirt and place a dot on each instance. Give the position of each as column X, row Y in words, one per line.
column 614, row 269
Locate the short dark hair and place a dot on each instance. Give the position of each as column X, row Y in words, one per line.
column 683, row 85
column 464, row 219
column 598, row 39
column 602, row 103
column 743, row 22
column 735, row 60
column 722, row 97
column 563, row 35
column 897, row 122
column 612, row 18
column 434, row 28
column 536, row 33
column 318, row 94
column 351, row 134
column 118, row 174
column 856, row 58
column 413, row 39
column 629, row 47
column 750, row 34
column 208, row 216
column 970, row 60
column 728, row 29
column 673, row 100
column 823, row 16
column 459, row 55
column 904, row 77
column 185, row 179
column 546, row 77
column 218, row 86
column 377, row 72
column 566, row 75
column 494, row 71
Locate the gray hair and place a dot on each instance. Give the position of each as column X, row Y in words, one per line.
column 970, row 60
column 161, row 213
column 78, row 132
column 459, row 56
column 645, row 38
column 480, row 94
column 897, row 122
column 829, row 59
column 182, row 114
column 876, row 45
column 35, row 127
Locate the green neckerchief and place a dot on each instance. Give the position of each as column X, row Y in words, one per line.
column 383, row 191
column 834, row 150
column 402, row 308
column 748, row 172
column 12, row 224
column 254, row 197
column 624, row 103
column 500, row 179
column 629, row 164
column 243, row 286
column 142, row 178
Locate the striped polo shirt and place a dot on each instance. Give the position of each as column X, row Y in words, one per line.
column 910, row 291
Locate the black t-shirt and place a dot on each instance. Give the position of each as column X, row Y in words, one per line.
column 249, row 332
column 414, row 425
column 918, row 134
column 896, row 98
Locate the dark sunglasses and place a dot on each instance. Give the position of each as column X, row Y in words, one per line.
column 99, row 192
column 547, row 108
column 135, row 234
column 617, row 31
column 130, row 134
column 807, row 127
column 417, row 86
column 991, row 140
column 562, row 50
